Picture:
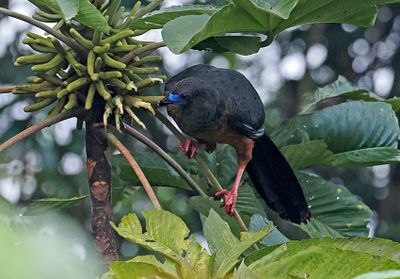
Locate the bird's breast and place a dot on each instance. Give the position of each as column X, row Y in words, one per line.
column 200, row 124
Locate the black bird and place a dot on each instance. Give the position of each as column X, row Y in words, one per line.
column 213, row 105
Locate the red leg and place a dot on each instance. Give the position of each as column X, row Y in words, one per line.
column 185, row 147
column 188, row 148
column 230, row 196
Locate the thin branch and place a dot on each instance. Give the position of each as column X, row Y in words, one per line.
column 203, row 166
column 150, row 47
column 45, row 27
column 170, row 126
column 136, row 168
column 38, row 126
column 164, row 155
column 241, row 223
column 209, row 174
column 7, row 89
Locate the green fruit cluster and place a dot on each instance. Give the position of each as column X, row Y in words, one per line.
column 68, row 78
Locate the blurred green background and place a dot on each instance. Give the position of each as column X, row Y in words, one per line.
column 52, row 162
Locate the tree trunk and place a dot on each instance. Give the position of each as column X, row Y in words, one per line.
column 99, row 174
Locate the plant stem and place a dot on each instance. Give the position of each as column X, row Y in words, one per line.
column 150, row 47
column 99, row 176
column 270, row 38
column 202, row 165
column 38, row 126
column 209, row 174
column 170, row 126
column 7, row 89
column 164, row 155
column 44, row 27
column 136, row 168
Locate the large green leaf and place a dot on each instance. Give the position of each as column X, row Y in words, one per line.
column 178, row 33
column 243, row 272
column 82, row 10
column 167, row 266
column 346, row 127
column 247, row 203
column 317, row 229
column 204, row 205
column 185, row 32
column 159, row 18
column 69, row 8
column 44, row 205
column 358, row 133
column 159, row 222
column 156, row 170
column 342, row 90
column 357, row 12
column 244, row 45
column 379, row 275
column 374, row 246
column 265, row 17
column 326, row 258
column 368, row 157
column 268, row 11
column 225, row 246
column 273, row 238
column 304, row 155
column 90, row 16
column 334, row 210
column 129, row 270
column 168, row 235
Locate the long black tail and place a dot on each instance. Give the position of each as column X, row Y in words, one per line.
column 274, row 179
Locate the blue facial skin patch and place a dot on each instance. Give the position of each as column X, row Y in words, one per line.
column 175, row 97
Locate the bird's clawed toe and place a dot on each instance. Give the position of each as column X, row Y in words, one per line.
column 188, row 148
column 229, row 200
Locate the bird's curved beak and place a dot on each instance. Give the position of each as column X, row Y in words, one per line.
column 164, row 102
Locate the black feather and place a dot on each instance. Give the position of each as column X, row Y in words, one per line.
column 276, row 182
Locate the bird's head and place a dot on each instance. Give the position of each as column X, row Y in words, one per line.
column 193, row 100
column 187, row 91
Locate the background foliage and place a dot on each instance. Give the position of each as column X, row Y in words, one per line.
column 286, row 74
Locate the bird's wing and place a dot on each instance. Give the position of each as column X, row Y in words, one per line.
column 245, row 109
column 247, row 129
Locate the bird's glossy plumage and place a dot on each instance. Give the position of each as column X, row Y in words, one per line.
column 221, row 106
column 227, row 90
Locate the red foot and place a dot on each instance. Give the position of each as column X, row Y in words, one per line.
column 229, row 200
column 188, row 148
